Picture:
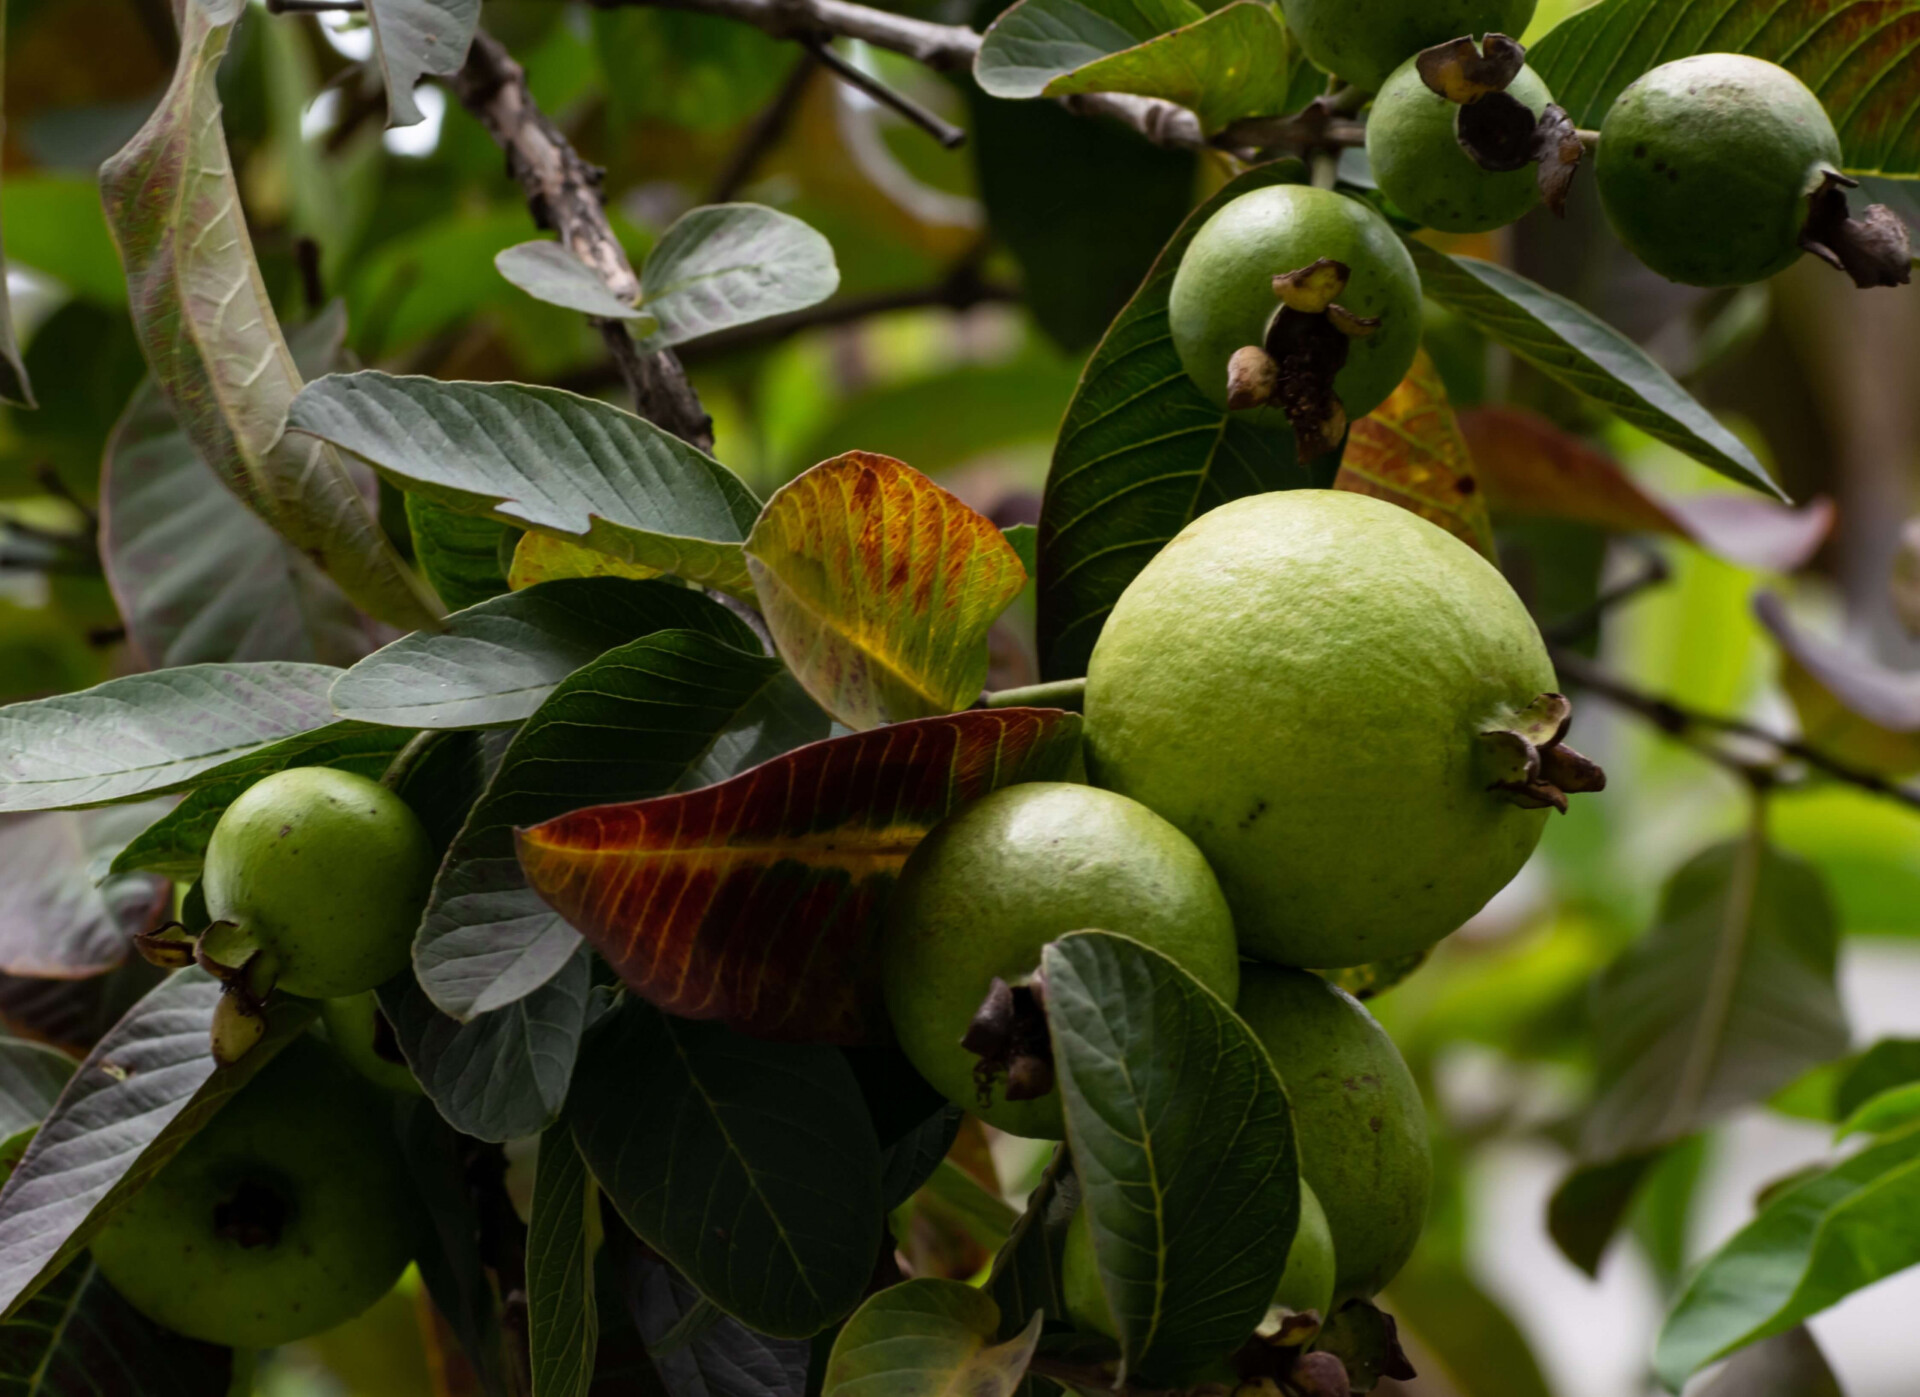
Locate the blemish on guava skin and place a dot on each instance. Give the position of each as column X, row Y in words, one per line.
column 285, row 830
column 1259, row 809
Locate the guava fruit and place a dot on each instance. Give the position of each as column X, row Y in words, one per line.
column 1708, row 165
column 1317, row 283
column 1346, row 708
column 994, row 883
column 321, row 875
column 360, row 1033
column 288, row 1213
column 1357, row 1115
column 1365, row 40
column 1420, row 165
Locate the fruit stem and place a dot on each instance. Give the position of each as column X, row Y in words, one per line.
column 1326, row 169
column 1589, row 139
column 1060, row 693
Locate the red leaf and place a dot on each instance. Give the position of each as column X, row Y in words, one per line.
column 757, row 901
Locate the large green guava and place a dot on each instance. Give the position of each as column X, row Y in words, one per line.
column 1357, row 1115
column 1223, row 299
column 322, row 873
column 287, row 1214
column 1707, row 164
column 1365, row 40
column 1299, row 681
column 995, row 882
column 1420, row 165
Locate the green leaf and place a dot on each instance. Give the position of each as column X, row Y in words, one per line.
column 1810, row 1246
column 1142, row 452
column 413, row 39
column 31, row 1080
column 463, row 555
column 1889, row 1063
column 1571, row 346
column 714, row 1147
column 731, row 264
column 1036, row 41
column 496, row 663
column 928, row 1338
column 212, row 339
column 1586, row 1210
column 14, row 387
column 140, row 1095
column 59, row 917
column 1896, row 1108
column 544, row 459
column 78, row 1336
column 148, row 734
column 562, row 1235
column 548, row 271
column 1860, row 57
column 1787, row 1365
column 1183, row 1141
column 718, row 1356
column 1237, row 62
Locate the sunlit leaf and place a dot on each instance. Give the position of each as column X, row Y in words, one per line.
column 413, row 39
column 541, row 558
column 731, row 264
column 1409, row 452
column 548, row 271
column 758, row 901
column 928, row 1338
column 58, row 917
column 1036, row 41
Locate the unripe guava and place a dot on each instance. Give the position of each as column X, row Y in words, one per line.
column 1223, row 300
column 996, row 881
column 359, row 1031
column 1419, row 163
column 1357, row 1116
column 287, row 1214
column 325, row 873
column 1298, row 681
column 1365, row 40
column 1706, row 164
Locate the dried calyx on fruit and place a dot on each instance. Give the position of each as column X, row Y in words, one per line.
column 1305, row 349
column 1497, row 124
column 1529, row 761
column 1874, row 249
column 1009, row 1036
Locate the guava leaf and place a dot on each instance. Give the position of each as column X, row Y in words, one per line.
column 714, row 1147
column 213, row 341
column 139, row 1096
column 879, row 588
column 413, row 39
column 562, row 1236
column 149, row 734
column 77, row 1335
column 1141, row 454
column 731, row 264
column 719, row 1358
column 461, row 554
column 1860, row 57
column 1889, row 1111
column 14, row 386
column 635, row 723
column 1183, row 1142
column 495, row 663
column 541, row 558
column 1573, row 347
column 73, row 1014
column 1809, row 1247
column 1036, row 41
column 1889, row 1063
column 1025, row 1280
column 1239, row 61
column 1591, row 1202
column 32, row 1077
column 758, row 901
column 543, row 459
column 1531, row 467
column 1409, row 452
column 548, row 271
column 1850, row 705
column 928, row 1338
column 910, row 1161
column 59, row 918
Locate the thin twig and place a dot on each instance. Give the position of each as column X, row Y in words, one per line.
column 942, row 130
column 766, row 131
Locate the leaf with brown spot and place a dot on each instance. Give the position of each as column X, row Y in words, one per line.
column 1409, row 451
column 879, row 588
column 757, row 901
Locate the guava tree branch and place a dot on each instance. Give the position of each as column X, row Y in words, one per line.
column 563, row 193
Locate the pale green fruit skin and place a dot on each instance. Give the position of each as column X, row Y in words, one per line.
column 1365, row 40
column 1080, row 1284
column 1297, row 681
column 1357, row 1116
column 1705, row 165
column 308, row 1129
column 351, row 1024
column 995, row 882
column 1418, row 161
column 327, row 871
column 1222, row 297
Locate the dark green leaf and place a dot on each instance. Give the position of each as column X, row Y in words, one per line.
column 548, row 271
column 910, row 1161
column 58, row 917
column 723, row 1358
column 1892, row 1062
column 1183, row 1142
column 1590, row 1204
column 1026, row 1274
column 731, row 264
column 562, row 1236
column 31, row 1078
column 928, row 1338
column 1036, row 41
column 77, row 1336
column 463, row 555
column 1573, row 347
column 73, row 1014
column 713, row 1147
column 413, row 39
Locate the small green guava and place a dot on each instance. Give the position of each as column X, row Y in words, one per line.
column 1319, row 689
column 287, row 1214
column 1363, row 41
column 1420, row 165
column 1707, row 166
column 1224, row 298
column 363, row 1037
column 1357, row 1115
column 324, row 874
column 989, row 887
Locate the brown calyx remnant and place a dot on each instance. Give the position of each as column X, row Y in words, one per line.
column 254, row 1214
column 1530, row 762
column 1306, row 347
column 1495, row 128
column 1009, row 1036
column 227, row 953
column 1874, row 249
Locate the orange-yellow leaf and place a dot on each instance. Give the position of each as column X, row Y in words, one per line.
column 1409, row 451
column 541, row 557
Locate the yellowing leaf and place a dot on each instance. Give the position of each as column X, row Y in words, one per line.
column 1409, row 451
column 545, row 558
